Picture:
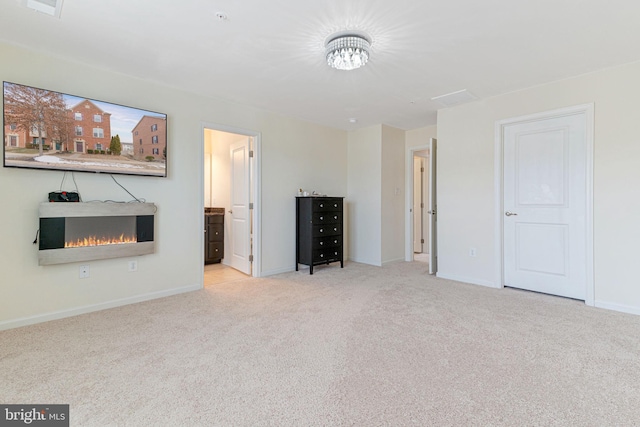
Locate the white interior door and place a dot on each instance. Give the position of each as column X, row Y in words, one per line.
column 433, row 208
column 240, row 214
column 545, row 205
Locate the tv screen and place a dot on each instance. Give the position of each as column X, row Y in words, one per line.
column 44, row 129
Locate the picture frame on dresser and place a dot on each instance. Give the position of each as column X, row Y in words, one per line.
column 319, row 231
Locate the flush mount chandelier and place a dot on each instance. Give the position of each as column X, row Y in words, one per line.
column 347, row 51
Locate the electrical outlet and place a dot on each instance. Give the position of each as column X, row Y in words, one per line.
column 83, row 271
column 472, row 252
column 133, row 265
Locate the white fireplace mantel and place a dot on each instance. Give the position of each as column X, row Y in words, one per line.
column 94, row 209
column 71, row 209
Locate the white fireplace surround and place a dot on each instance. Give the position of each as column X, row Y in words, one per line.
column 94, row 209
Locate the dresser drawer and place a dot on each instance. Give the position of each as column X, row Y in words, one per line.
column 333, row 254
column 326, row 205
column 215, row 233
column 327, row 230
column 214, row 219
column 327, row 217
column 216, row 250
column 327, row 242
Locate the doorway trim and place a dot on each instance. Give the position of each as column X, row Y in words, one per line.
column 256, row 179
column 588, row 111
column 408, row 228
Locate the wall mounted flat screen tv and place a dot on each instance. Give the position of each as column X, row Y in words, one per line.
column 50, row 130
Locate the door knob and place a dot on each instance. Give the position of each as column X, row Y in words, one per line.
column 230, row 212
column 431, row 212
column 507, row 213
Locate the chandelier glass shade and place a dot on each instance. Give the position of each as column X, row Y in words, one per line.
column 347, row 52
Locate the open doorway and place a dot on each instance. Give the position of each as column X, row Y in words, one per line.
column 421, row 230
column 420, row 198
column 230, row 201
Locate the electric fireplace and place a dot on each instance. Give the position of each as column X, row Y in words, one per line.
column 77, row 232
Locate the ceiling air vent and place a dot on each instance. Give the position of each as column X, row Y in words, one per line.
column 50, row 7
column 454, row 98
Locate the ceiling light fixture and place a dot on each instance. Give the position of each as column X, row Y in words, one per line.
column 347, row 51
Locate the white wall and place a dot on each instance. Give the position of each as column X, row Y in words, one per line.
column 217, row 169
column 376, row 209
column 393, row 193
column 465, row 184
column 208, row 164
column 466, row 179
column 294, row 154
column 420, row 137
column 364, row 197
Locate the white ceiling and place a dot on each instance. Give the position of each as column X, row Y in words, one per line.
column 270, row 55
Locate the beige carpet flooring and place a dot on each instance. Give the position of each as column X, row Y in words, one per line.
column 359, row 346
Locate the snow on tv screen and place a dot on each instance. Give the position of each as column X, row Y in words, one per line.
column 44, row 129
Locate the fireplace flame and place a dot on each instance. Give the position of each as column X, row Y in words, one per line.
column 100, row 241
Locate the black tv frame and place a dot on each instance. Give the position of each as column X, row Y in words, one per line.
column 75, row 148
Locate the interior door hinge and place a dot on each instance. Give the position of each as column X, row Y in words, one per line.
column 250, row 205
column 422, row 205
column 421, row 169
column 421, row 240
column 250, row 153
column 250, row 258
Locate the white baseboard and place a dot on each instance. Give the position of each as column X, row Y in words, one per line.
column 470, row 280
column 617, row 307
column 365, row 261
column 392, row 261
column 40, row 318
column 280, row 271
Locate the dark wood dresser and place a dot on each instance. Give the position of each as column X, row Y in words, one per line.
column 214, row 235
column 319, row 231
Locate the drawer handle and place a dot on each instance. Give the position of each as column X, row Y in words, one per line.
column 322, row 230
column 336, row 253
column 321, row 255
column 335, row 205
column 321, row 243
column 322, row 205
column 335, row 228
column 335, row 217
column 335, row 241
column 321, row 218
